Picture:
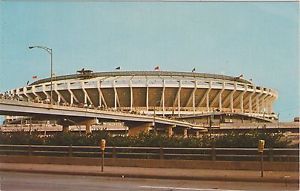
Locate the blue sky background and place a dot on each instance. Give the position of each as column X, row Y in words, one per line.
column 259, row 40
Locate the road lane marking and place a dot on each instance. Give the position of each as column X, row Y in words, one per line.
column 183, row 188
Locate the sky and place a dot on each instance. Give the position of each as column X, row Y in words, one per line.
column 257, row 39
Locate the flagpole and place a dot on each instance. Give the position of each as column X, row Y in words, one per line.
column 51, row 77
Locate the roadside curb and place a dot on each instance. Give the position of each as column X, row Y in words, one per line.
column 145, row 176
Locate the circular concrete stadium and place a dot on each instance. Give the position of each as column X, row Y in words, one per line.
column 182, row 95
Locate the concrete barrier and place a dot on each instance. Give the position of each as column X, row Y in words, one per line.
column 155, row 163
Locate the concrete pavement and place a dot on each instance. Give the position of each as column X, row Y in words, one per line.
column 15, row 181
column 156, row 173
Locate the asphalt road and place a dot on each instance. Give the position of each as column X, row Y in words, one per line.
column 12, row 181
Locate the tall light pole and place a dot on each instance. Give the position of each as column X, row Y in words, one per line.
column 154, row 116
column 49, row 50
column 278, row 119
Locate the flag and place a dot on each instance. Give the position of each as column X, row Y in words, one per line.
column 27, row 82
column 118, row 68
column 156, row 68
column 34, row 77
column 194, row 69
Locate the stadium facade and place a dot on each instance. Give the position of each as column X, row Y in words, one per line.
column 183, row 95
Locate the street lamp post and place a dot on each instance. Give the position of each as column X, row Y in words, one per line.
column 49, row 50
column 278, row 122
column 154, row 116
column 211, row 128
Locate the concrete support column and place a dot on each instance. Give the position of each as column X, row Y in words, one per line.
column 102, row 101
column 231, row 97
column 163, row 98
column 136, row 129
column 58, row 99
column 257, row 105
column 34, row 93
column 88, row 124
column 270, row 108
column 185, row 133
column 231, row 102
column 250, row 103
column 71, row 99
column 192, row 98
column 25, row 93
column 220, row 102
column 65, row 128
column 88, row 128
column 59, row 95
column 147, row 97
column 170, row 130
column 242, row 102
column 72, row 96
column 207, row 101
column 131, row 95
column 44, row 91
column 205, row 95
column 194, row 108
column 197, row 134
column 252, row 100
column 263, row 103
column 85, row 98
column 178, row 100
column 260, row 99
column 115, row 98
column 220, row 96
column 99, row 93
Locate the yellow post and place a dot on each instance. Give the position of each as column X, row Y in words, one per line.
column 261, row 146
column 102, row 147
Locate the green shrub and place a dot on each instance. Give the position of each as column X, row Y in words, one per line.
column 250, row 139
column 22, row 138
column 230, row 139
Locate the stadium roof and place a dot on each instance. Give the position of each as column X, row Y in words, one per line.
column 143, row 73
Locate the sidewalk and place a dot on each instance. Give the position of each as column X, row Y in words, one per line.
column 155, row 173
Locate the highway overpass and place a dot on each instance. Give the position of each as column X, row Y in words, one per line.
column 136, row 122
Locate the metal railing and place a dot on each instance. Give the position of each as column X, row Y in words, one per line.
column 224, row 154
